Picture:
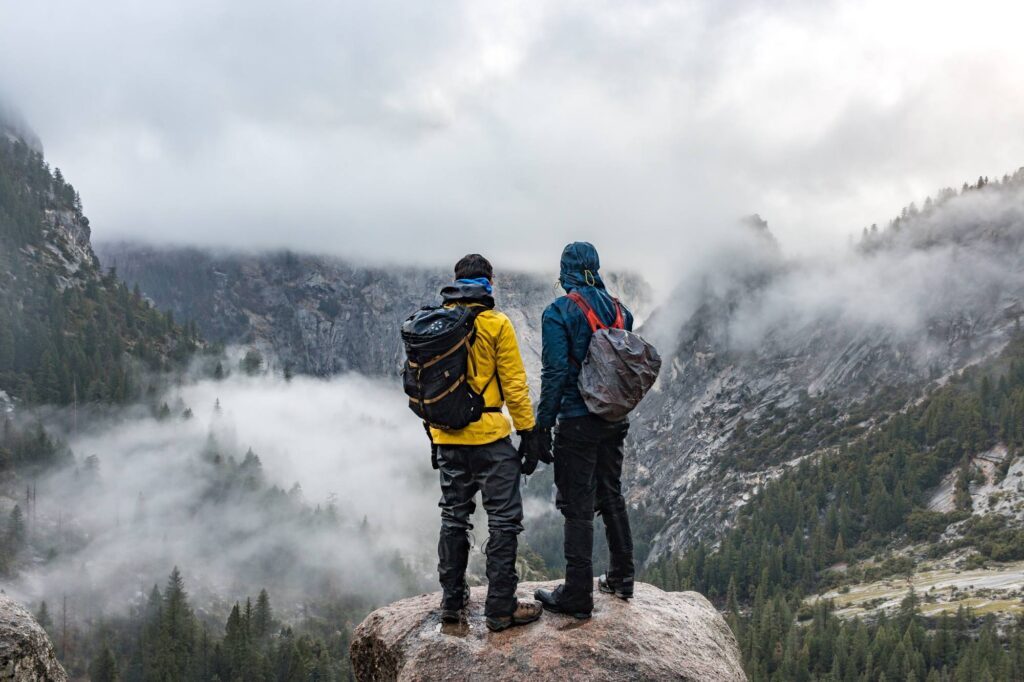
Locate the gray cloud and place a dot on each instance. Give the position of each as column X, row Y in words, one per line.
column 403, row 131
column 956, row 265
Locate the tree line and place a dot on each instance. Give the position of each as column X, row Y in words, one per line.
column 165, row 640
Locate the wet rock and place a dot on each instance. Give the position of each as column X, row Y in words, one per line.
column 656, row 636
column 26, row 654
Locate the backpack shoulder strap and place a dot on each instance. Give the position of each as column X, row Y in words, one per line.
column 592, row 319
column 476, row 310
column 619, row 322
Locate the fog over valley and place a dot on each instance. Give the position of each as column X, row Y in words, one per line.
column 337, row 498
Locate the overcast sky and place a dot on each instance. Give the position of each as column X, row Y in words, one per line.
column 417, row 131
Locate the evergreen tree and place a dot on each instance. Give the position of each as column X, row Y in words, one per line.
column 43, row 616
column 104, row 667
column 16, row 530
column 262, row 616
column 178, row 628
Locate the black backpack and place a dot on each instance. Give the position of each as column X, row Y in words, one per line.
column 436, row 372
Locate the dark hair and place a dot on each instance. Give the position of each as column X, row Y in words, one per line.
column 473, row 266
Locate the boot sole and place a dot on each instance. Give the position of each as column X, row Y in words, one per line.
column 578, row 615
column 498, row 626
column 621, row 595
column 602, row 586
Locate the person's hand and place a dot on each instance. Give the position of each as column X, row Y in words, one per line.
column 527, row 451
column 542, row 444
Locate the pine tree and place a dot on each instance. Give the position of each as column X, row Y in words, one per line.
column 962, row 490
column 6, row 345
column 43, row 616
column 104, row 667
column 177, row 631
column 16, row 529
column 839, row 551
column 252, row 363
column 262, row 616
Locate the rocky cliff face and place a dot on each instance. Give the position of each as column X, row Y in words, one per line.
column 26, row 654
column 320, row 315
column 775, row 360
column 656, row 636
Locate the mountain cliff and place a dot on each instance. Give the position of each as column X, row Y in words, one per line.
column 68, row 331
column 773, row 360
column 319, row 315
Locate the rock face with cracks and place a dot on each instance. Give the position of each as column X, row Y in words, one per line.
column 655, row 636
column 26, row 654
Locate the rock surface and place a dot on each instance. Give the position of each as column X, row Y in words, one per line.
column 656, row 636
column 26, row 654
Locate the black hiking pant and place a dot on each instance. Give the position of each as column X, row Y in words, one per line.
column 493, row 469
column 588, row 455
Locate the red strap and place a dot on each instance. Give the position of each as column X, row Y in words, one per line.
column 592, row 319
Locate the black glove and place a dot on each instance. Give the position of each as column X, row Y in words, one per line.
column 542, row 443
column 527, row 451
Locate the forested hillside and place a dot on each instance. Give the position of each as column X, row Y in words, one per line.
column 68, row 332
column 865, row 512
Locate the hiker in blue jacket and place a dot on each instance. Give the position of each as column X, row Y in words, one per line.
column 588, row 450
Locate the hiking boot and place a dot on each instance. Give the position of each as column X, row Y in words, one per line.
column 622, row 590
column 526, row 612
column 553, row 601
column 450, row 615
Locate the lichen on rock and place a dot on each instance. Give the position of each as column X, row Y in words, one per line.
column 26, row 653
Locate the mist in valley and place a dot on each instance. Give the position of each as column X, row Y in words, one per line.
column 310, row 488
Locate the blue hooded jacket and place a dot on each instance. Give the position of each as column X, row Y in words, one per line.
column 566, row 334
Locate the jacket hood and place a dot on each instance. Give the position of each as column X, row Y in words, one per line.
column 467, row 292
column 579, row 267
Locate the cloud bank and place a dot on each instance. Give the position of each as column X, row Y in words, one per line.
column 406, row 132
column 342, row 501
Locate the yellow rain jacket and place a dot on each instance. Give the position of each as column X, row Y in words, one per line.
column 494, row 350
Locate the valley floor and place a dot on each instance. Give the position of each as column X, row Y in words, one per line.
column 998, row 588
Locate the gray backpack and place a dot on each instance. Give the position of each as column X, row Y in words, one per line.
column 620, row 367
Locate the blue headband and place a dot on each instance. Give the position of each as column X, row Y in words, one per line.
column 482, row 281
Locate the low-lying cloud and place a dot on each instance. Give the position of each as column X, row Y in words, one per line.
column 160, row 492
column 958, row 264
column 405, row 132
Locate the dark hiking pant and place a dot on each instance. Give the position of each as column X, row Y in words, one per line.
column 493, row 469
column 588, row 455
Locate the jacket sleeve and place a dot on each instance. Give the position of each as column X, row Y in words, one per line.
column 554, row 366
column 512, row 376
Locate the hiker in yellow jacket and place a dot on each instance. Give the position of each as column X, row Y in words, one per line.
column 481, row 457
